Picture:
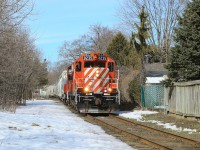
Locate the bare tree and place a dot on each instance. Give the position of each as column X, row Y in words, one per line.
column 97, row 39
column 20, row 63
column 162, row 19
column 20, row 67
column 55, row 71
column 100, row 37
column 71, row 50
column 14, row 12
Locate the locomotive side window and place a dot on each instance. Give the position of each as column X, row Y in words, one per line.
column 69, row 73
column 88, row 64
column 111, row 66
column 78, row 66
column 70, row 77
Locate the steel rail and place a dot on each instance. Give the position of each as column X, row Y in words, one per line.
column 143, row 140
column 191, row 141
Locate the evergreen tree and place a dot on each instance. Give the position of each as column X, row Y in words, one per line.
column 185, row 59
column 118, row 49
column 139, row 40
column 133, row 58
column 142, row 34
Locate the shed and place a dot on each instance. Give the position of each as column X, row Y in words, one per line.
column 152, row 92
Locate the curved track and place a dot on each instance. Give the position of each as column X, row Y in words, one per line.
column 144, row 137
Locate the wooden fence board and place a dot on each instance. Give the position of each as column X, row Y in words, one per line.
column 183, row 98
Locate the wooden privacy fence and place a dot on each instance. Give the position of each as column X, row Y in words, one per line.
column 183, row 98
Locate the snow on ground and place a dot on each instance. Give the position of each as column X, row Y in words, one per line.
column 138, row 115
column 47, row 125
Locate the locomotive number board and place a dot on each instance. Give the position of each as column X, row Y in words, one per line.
column 89, row 57
column 102, row 57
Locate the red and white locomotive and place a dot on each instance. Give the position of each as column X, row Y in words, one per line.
column 92, row 84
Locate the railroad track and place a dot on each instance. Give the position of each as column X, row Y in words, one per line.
column 143, row 137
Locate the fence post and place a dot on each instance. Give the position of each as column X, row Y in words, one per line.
column 142, row 96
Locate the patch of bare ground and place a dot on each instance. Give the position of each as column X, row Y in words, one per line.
column 179, row 121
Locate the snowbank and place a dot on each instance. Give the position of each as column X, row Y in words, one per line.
column 48, row 125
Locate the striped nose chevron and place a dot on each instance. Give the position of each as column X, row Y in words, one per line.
column 96, row 79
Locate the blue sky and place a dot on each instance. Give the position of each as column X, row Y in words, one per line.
column 55, row 21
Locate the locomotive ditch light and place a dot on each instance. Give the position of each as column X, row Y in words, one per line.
column 109, row 90
column 86, row 89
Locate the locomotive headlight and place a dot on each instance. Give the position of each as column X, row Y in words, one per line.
column 86, row 89
column 97, row 73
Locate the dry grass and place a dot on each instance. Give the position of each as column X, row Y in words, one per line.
column 178, row 121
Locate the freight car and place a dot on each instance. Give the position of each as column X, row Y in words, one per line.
column 60, row 85
column 51, row 91
column 92, row 84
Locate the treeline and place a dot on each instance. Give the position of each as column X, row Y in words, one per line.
column 145, row 35
column 185, row 55
column 21, row 69
column 129, row 55
column 97, row 39
column 145, row 31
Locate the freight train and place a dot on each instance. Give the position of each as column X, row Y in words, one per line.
column 90, row 84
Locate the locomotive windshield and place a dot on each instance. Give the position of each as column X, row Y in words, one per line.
column 94, row 64
column 100, row 64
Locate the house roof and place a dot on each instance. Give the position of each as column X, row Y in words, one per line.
column 155, row 70
column 155, row 73
column 150, row 80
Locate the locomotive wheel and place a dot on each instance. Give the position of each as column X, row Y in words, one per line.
column 110, row 107
column 66, row 102
column 69, row 101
